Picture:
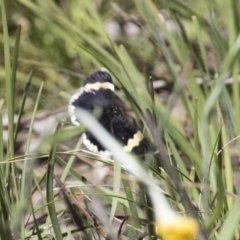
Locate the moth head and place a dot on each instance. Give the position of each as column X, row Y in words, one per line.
column 101, row 79
column 100, row 76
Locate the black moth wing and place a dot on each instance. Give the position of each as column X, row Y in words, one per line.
column 121, row 127
column 115, row 121
column 97, row 92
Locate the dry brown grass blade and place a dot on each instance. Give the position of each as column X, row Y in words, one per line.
column 72, row 200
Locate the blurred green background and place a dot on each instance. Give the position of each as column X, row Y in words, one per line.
column 190, row 49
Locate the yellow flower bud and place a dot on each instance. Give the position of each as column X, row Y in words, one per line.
column 179, row 229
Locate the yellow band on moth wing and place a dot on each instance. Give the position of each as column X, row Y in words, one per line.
column 99, row 85
column 133, row 142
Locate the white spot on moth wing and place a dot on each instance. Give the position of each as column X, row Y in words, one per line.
column 71, row 107
column 73, row 117
column 105, row 153
column 93, row 148
column 88, row 144
column 78, row 94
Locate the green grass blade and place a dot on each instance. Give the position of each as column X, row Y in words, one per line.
column 231, row 222
column 26, row 185
column 10, row 88
column 1, row 134
column 116, row 187
column 201, row 44
column 15, row 59
column 50, row 196
column 36, row 226
column 70, row 162
column 22, row 105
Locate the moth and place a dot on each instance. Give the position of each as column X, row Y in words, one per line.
column 98, row 92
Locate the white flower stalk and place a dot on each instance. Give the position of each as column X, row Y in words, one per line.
column 169, row 225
